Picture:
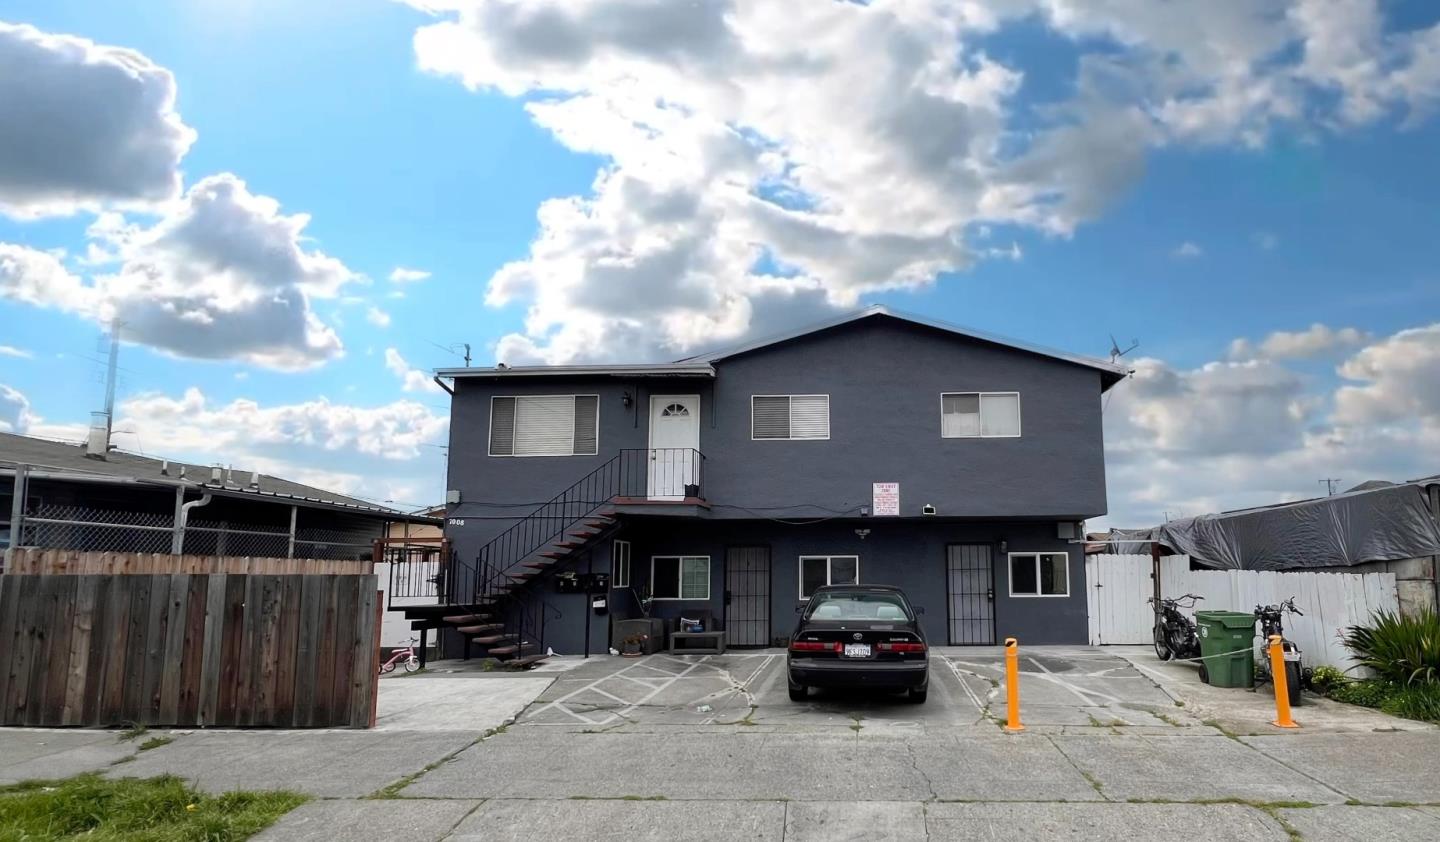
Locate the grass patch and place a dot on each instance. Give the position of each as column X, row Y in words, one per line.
column 162, row 809
column 135, row 731
column 156, row 742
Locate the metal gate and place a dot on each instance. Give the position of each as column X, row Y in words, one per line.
column 972, row 594
column 747, row 596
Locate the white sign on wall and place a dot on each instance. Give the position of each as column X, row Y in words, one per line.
column 885, row 499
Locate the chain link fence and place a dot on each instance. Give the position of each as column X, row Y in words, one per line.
column 103, row 530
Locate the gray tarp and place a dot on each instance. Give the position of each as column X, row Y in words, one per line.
column 1339, row 531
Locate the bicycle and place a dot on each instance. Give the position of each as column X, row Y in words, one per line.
column 1270, row 619
column 1175, row 634
column 404, row 656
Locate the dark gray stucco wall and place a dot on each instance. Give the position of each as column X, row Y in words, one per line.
column 907, row 553
column 884, row 379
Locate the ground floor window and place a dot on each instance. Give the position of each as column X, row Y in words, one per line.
column 680, row 577
column 817, row 571
column 1039, row 574
column 620, row 565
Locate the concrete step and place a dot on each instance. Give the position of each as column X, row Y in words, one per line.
column 526, row 661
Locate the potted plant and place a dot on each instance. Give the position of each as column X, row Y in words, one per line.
column 634, row 645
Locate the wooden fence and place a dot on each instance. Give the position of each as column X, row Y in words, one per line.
column 189, row 650
column 1118, row 585
column 37, row 562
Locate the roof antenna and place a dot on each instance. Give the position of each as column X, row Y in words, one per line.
column 1116, row 353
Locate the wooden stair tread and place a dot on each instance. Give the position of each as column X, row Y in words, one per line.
column 464, row 619
column 492, row 638
column 536, row 565
column 472, row 630
column 554, row 555
column 526, row 660
column 600, row 522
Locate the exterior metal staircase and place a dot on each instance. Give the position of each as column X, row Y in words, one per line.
column 490, row 603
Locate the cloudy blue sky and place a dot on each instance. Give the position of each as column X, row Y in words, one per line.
column 295, row 209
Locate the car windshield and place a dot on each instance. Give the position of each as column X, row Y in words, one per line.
column 858, row 606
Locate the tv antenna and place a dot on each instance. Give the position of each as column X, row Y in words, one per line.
column 455, row 349
column 1330, row 483
column 1116, row 353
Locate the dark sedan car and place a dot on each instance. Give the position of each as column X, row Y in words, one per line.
column 858, row 636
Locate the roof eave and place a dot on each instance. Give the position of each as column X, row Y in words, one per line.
column 663, row 370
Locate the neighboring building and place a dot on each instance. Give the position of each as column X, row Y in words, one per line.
column 433, row 528
column 1376, row 526
column 92, row 498
column 879, row 448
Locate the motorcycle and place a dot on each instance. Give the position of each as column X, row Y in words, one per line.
column 1175, row 634
column 1270, row 618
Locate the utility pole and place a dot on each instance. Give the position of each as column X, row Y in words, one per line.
column 1330, row 483
column 110, row 368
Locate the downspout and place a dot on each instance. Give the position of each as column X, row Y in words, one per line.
column 185, row 518
column 441, row 384
column 1435, row 559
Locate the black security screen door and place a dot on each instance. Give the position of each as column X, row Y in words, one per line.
column 971, row 575
column 747, row 596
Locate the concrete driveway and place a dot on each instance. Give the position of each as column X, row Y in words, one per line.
column 711, row 747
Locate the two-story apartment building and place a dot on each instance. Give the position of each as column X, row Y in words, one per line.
column 879, row 448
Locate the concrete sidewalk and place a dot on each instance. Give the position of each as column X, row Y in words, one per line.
column 712, row 748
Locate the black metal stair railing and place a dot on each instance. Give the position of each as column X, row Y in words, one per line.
column 674, row 473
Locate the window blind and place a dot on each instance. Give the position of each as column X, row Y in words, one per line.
column 544, row 425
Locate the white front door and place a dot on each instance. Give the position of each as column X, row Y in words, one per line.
column 674, row 445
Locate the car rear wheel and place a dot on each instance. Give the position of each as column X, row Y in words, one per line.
column 799, row 693
column 918, row 695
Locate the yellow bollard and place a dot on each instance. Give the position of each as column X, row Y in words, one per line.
column 1012, row 685
column 1282, row 689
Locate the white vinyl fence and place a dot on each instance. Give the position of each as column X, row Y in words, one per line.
column 1117, row 586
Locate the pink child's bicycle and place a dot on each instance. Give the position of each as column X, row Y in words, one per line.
column 404, row 656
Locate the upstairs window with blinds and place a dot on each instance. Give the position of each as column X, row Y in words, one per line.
column 792, row 417
column 544, row 425
column 980, row 415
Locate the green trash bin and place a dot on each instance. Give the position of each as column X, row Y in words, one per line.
column 1227, row 640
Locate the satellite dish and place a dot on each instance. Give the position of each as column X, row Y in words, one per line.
column 1115, row 351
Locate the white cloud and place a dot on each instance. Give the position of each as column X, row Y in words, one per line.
column 411, row 379
column 15, row 415
column 17, row 353
column 1400, row 377
column 1187, row 250
column 193, row 424
column 377, row 317
column 810, row 153
column 1318, row 340
column 402, row 275
column 223, row 274
column 85, row 125
column 1242, row 433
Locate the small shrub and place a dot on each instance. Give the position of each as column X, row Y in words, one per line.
column 1418, row 701
column 1326, row 677
column 1401, row 650
column 1369, row 693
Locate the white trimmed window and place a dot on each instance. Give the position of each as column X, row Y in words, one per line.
column 620, row 564
column 790, row 417
column 980, row 415
column 680, row 577
column 1039, row 574
column 817, row 571
column 545, row 425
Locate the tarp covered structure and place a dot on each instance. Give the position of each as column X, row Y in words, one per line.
column 1376, row 524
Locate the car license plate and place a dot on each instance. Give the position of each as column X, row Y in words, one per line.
column 857, row 650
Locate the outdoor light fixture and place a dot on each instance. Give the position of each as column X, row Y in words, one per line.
column 626, row 399
column 862, row 533
column 1004, row 546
